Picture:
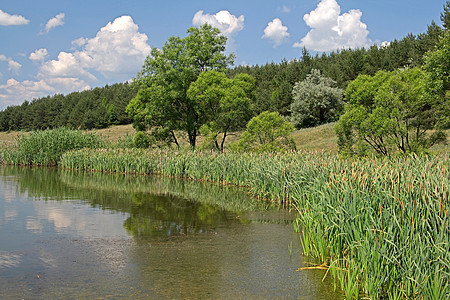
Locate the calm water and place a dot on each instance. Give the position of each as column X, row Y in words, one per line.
column 78, row 235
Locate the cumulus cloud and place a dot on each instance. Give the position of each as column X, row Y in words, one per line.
column 276, row 32
column 330, row 30
column 13, row 66
column 227, row 23
column 117, row 52
column 67, row 65
column 117, row 49
column 38, row 55
column 58, row 20
column 14, row 92
column 8, row 20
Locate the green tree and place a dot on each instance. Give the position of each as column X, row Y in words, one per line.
column 316, row 101
column 266, row 132
column 389, row 112
column 224, row 104
column 437, row 64
column 445, row 16
column 166, row 76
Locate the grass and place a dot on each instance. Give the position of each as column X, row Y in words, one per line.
column 44, row 148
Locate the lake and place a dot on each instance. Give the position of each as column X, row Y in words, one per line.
column 66, row 234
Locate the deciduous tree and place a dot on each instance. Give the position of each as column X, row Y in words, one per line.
column 166, row 76
column 316, row 101
column 224, row 104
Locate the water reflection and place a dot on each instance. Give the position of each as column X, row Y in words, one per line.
column 144, row 237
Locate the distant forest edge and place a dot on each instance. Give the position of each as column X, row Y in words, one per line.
column 102, row 107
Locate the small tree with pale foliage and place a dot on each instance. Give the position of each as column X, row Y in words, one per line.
column 315, row 101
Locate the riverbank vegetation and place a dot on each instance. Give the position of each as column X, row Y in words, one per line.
column 380, row 225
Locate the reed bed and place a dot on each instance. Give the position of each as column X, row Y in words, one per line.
column 380, row 225
column 44, row 148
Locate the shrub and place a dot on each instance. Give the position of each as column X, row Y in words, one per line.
column 141, row 140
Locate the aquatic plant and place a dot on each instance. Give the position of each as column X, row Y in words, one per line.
column 380, row 225
column 45, row 147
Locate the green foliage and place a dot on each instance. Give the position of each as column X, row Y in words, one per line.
column 224, row 104
column 266, row 132
column 45, row 148
column 437, row 64
column 389, row 112
column 315, row 101
column 141, row 140
column 445, row 16
column 166, row 77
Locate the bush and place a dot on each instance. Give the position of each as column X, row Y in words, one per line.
column 267, row 132
column 141, row 140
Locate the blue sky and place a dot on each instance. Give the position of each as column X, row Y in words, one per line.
column 49, row 47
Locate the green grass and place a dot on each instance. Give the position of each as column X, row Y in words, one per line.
column 44, row 148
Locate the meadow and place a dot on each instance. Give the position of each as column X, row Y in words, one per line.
column 380, row 226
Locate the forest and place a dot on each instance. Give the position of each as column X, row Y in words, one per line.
column 105, row 106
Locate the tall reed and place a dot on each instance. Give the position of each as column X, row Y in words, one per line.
column 46, row 147
column 380, row 224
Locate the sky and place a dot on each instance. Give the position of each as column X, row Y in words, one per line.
column 61, row 46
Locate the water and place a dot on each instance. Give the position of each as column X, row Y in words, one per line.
column 79, row 235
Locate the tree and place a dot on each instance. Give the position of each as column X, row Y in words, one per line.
column 266, row 132
column 166, row 76
column 437, row 64
column 389, row 112
column 445, row 16
column 316, row 101
column 224, row 104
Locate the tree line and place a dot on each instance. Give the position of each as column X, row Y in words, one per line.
column 96, row 108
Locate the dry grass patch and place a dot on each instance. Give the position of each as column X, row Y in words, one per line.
column 320, row 138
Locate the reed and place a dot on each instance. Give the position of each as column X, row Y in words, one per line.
column 44, row 148
column 381, row 225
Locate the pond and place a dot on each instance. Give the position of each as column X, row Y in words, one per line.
column 66, row 234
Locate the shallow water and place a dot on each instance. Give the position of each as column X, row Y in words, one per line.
column 79, row 235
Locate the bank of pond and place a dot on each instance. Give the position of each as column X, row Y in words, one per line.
column 379, row 225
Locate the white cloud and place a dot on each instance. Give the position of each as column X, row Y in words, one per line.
column 330, row 30
column 38, row 55
column 13, row 66
column 67, row 65
column 117, row 49
column 14, row 92
column 7, row 19
column 227, row 23
column 276, row 32
column 58, row 20
column 284, row 9
column 79, row 42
